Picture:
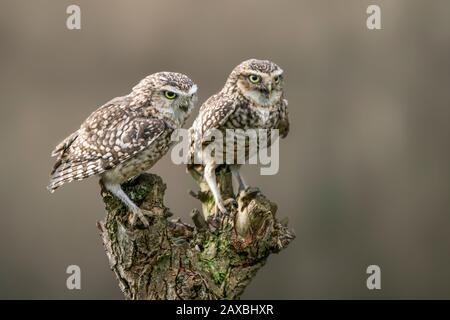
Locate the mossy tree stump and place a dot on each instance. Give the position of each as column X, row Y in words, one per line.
column 216, row 258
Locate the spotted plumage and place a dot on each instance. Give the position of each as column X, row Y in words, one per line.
column 252, row 98
column 127, row 135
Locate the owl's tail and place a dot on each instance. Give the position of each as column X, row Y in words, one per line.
column 61, row 148
column 61, row 174
column 63, row 170
column 68, row 171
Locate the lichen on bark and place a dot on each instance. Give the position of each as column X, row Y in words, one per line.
column 215, row 258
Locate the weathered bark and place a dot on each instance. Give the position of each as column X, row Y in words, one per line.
column 215, row 259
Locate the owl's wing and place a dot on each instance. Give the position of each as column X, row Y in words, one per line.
column 107, row 138
column 100, row 121
column 215, row 112
column 283, row 125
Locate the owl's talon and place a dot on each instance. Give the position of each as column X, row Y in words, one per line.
column 213, row 222
column 141, row 213
column 220, row 209
column 221, row 212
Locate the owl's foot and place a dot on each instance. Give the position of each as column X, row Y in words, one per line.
column 221, row 207
column 141, row 214
column 215, row 220
column 221, row 211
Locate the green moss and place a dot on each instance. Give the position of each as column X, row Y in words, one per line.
column 215, row 256
column 237, row 259
column 163, row 262
column 219, row 277
column 138, row 193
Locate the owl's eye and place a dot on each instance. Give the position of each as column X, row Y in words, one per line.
column 276, row 79
column 253, row 78
column 170, row 95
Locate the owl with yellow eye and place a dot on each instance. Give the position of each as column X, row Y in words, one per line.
column 126, row 136
column 252, row 98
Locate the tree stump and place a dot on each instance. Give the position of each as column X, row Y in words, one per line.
column 216, row 258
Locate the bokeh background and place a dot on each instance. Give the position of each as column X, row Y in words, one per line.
column 364, row 175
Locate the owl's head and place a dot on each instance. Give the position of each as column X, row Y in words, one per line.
column 170, row 95
column 260, row 81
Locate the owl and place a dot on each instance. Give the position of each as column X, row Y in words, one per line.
column 126, row 136
column 252, row 98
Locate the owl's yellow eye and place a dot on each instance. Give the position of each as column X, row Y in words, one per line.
column 170, row 95
column 276, row 79
column 254, row 78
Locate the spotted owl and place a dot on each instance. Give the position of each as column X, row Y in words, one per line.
column 126, row 136
column 252, row 98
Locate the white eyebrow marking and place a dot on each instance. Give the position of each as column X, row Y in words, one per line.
column 179, row 92
column 172, row 89
column 193, row 89
column 277, row 72
column 258, row 73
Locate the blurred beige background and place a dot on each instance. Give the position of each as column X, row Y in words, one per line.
column 364, row 175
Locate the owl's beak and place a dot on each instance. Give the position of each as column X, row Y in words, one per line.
column 184, row 107
column 269, row 88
